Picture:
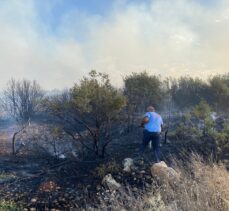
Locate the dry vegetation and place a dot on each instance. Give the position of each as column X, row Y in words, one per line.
column 60, row 147
column 201, row 186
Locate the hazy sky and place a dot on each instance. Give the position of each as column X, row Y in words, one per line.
column 56, row 42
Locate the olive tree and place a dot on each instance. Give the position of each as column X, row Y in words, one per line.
column 219, row 89
column 93, row 105
column 203, row 112
column 142, row 90
column 188, row 92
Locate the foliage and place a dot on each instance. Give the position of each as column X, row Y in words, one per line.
column 143, row 90
column 219, row 88
column 202, row 110
column 96, row 96
column 6, row 177
column 92, row 105
column 187, row 133
column 102, row 170
column 9, row 206
column 221, row 139
column 188, row 92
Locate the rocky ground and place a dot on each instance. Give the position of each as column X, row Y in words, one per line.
column 36, row 183
column 50, row 184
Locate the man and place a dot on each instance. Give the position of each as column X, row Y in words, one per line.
column 152, row 124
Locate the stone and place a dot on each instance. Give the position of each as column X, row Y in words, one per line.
column 33, row 200
column 164, row 173
column 142, row 172
column 135, row 189
column 128, row 164
column 110, row 183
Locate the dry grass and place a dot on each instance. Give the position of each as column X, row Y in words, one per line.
column 201, row 187
column 4, row 143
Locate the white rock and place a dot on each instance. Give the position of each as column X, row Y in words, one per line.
column 62, row 156
column 110, row 183
column 163, row 172
column 128, row 164
column 213, row 116
column 33, row 200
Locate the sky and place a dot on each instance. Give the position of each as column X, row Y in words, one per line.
column 57, row 42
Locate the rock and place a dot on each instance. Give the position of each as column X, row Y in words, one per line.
column 110, row 183
column 33, row 200
column 135, row 189
column 164, row 173
column 128, row 164
column 142, row 172
column 62, row 156
column 148, row 177
column 147, row 185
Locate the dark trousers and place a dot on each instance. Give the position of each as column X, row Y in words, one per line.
column 155, row 138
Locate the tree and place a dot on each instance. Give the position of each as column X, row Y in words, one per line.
column 203, row 112
column 94, row 104
column 21, row 100
column 141, row 91
column 188, row 92
column 219, row 89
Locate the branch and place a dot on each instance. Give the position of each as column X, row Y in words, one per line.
column 74, row 138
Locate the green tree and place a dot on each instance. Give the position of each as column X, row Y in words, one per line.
column 141, row 91
column 219, row 89
column 203, row 112
column 188, row 92
column 93, row 104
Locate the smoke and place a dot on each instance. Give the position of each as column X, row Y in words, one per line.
column 57, row 49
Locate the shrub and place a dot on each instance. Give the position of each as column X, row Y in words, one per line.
column 202, row 187
column 102, row 170
column 9, row 206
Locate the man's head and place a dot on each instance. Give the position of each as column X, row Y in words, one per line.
column 150, row 109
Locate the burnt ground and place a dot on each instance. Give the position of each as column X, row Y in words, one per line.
column 38, row 183
column 35, row 183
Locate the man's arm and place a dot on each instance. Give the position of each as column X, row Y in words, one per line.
column 144, row 121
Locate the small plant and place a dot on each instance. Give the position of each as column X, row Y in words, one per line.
column 102, row 170
column 6, row 177
column 203, row 111
column 9, row 206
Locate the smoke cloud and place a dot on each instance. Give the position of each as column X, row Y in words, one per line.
column 185, row 37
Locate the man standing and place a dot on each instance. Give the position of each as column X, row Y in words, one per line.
column 152, row 124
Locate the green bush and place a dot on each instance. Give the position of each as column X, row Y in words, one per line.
column 102, row 170
column 9, row 206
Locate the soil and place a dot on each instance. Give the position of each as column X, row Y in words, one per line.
column 45, row 183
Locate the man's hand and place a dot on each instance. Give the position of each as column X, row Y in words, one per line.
column 144, row 121
column 141, row 125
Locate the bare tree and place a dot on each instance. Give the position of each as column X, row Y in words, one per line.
column 21, row 100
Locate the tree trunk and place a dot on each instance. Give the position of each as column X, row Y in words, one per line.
column 14, row 140
column 13, row 143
